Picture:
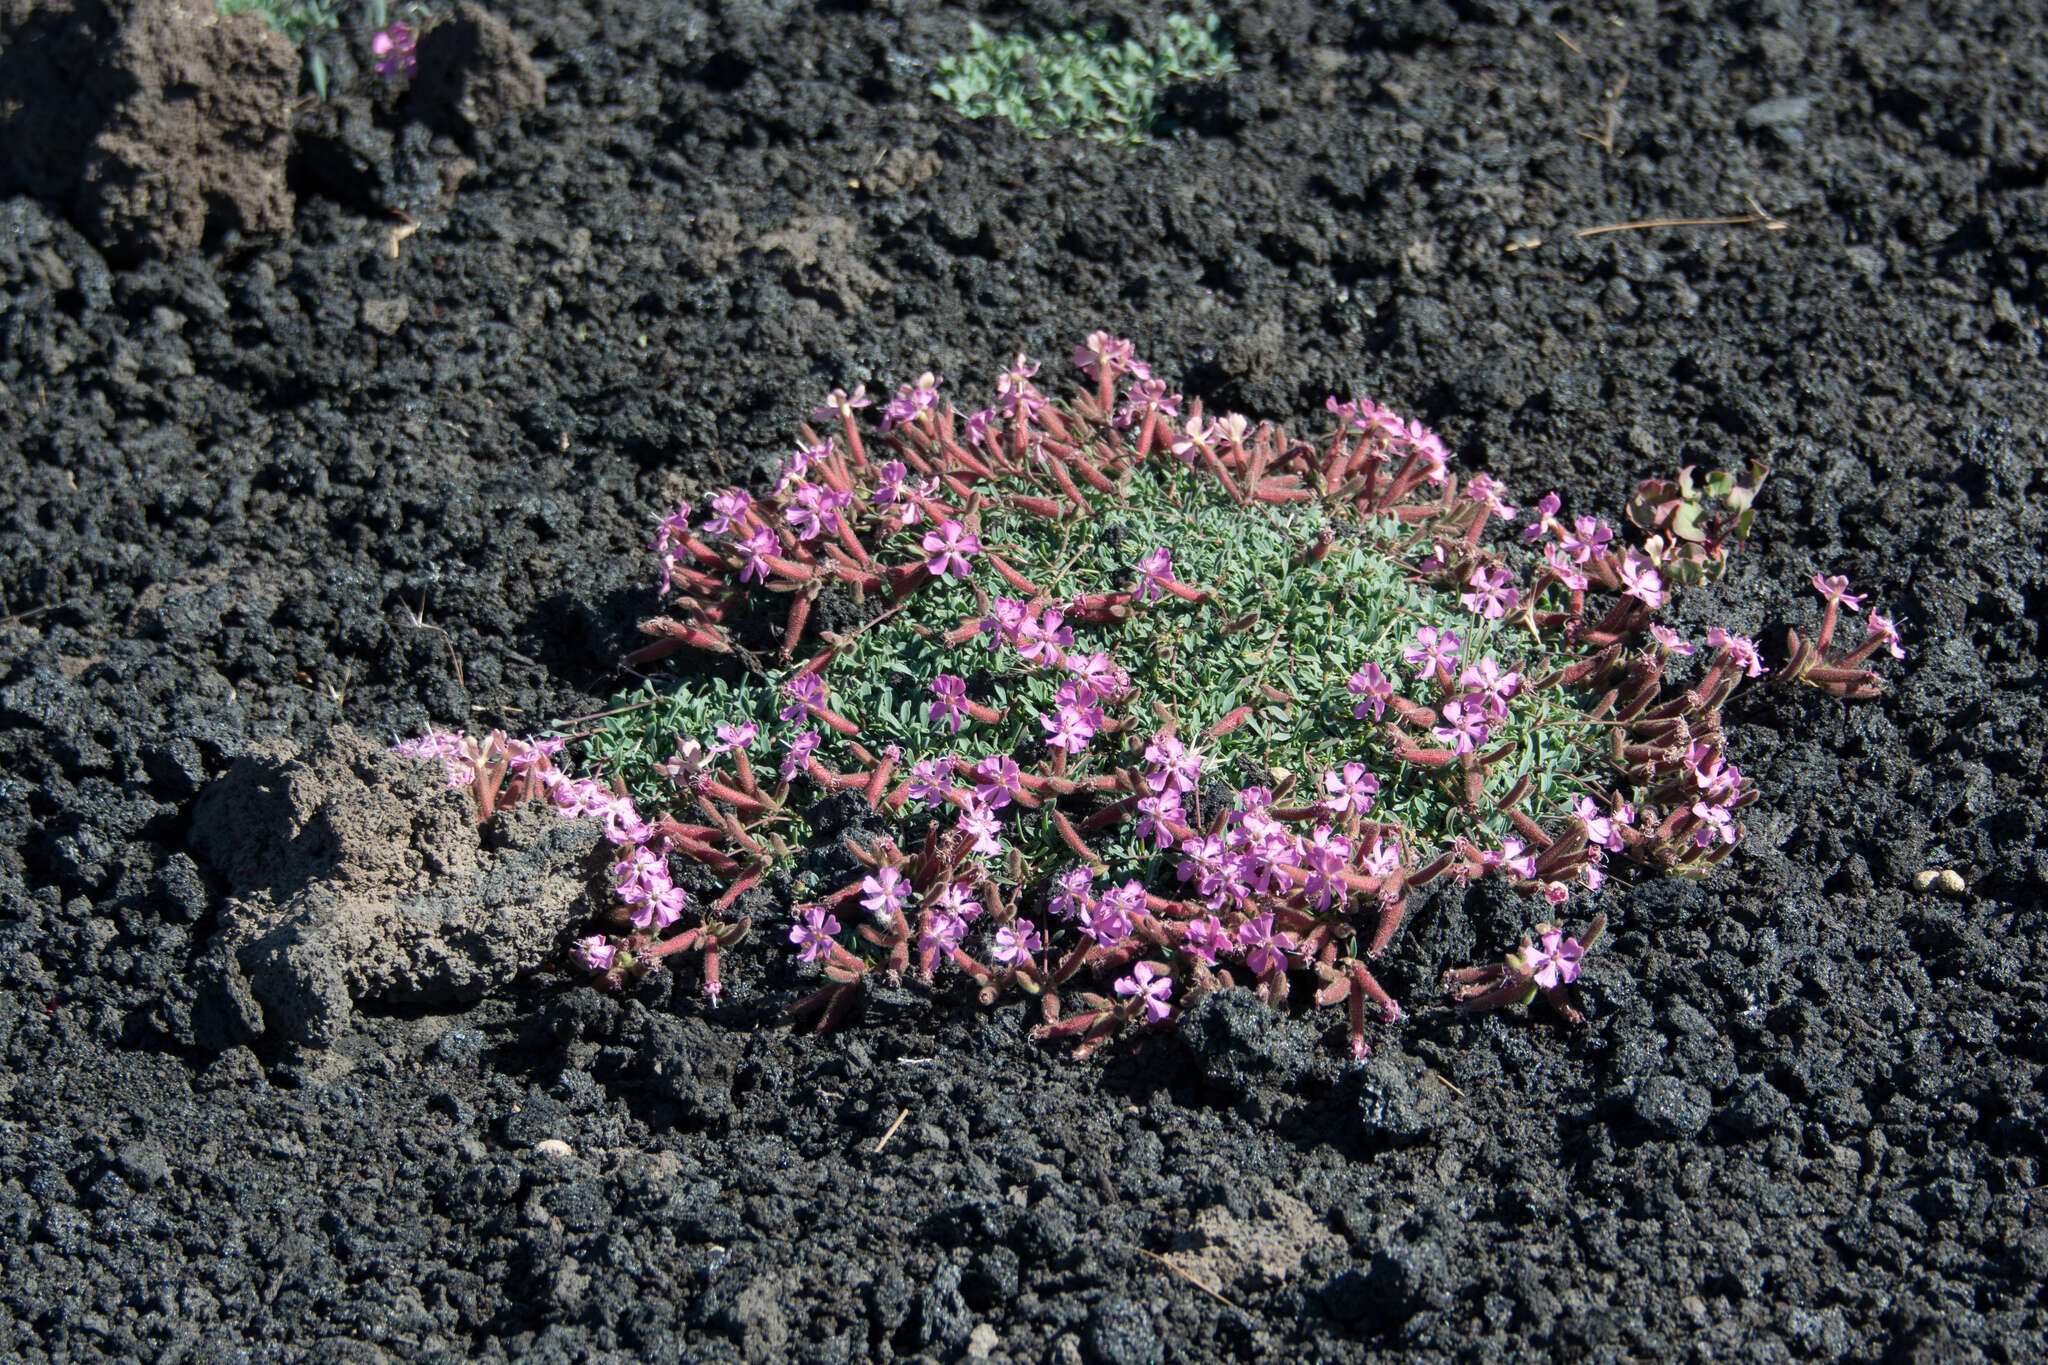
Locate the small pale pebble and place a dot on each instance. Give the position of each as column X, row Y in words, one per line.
column 1946, row 880
column 554, row 1148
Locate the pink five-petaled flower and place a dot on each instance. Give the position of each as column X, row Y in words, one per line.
column 1264, row 950
column 949, row 547
column 804, row 690
column 1641, row 580
column 910, row 400
column 1546, row 516
column 1146, row 396
column 1150, row 987
column 757, row 547
column 1589, row 536
column 1741, row 651
column 840, row 403
column 674, row 529
column 1016, row 943
column 596, row 953
column 1885, row 633
column 1483, row 489
column 1465, row 726
column 1373, row 688
column 1600, row 827
column 1102, row 350
column 1715, row 823
column 1561, row 566
column 1552, row 960
column 1669, row 640
column 980, row 824
column 1835, row 588
column 1071, row 893
column 1206, row 939
column 1350, row 788
column 1156, row 569
column 731, row 737
column 949, row 707
column 1493, row 687
column 813, row 932
column 998, row 781
column 1157, row 815
column 888, row 891
column 1174, row 766
column 1071, row 727
column 729, row 510
column 1432, row 651
column 395, row 48
column 930, row 781
column 802, row 745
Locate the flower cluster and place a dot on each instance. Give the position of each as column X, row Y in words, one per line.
column 1156, row 703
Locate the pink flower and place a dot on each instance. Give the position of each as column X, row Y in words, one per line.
column 1103, row 351
column 1641, row 580
column 805, row 690
column 729, row 510
column 1107, row 920
column 998, row 781
column 910, row 400
column 731, row 737
column 813, row 932
column 1264, row 950
column 949, row 548
column 1464, row 727
column 1205, row 940
column 1433, row 650
column 1071, row 893
column 1016, row 943
column 395, row 48
column 943, row 931
column 930, row 781
column 839, row 403
column 1373, row 688
column 1157, row 570
column 801, row 746
column 596, row 953
column 950, row 706
column 1559, row 563
column 1148, row 986
column 1174, row 768
column 1155, row 816
column 1589, row 536
column 1670, row 640
column 1741, row 650
column 1071, row 727
column 887, row 892
column 1483, row 489
column 674, row 529
column 1835, row 588
column 1599, row 827
column 1885, row 633
column 1553, row 960
column 980, row 824
column 1143, row 397
column 757, row 547
column 1493, row 687
column 1041, row 638
column 1715, row 823
column 1546, row 516
column 1350, row 789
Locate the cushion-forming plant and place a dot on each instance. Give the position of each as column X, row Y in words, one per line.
column 1154, row 704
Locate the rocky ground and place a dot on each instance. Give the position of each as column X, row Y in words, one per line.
column 277, row 495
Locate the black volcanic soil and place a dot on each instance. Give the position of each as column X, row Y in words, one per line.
column 294, row 483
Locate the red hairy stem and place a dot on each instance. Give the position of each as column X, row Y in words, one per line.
column 1010, row 575
column 905, row 580
column 1392, row 912
column 1039, row 507
column 1229, row 723
column 832, row 719
column 720, row 791
column 799, row 617
column 736, row 890
column 1067, row 485
column 1071, row 837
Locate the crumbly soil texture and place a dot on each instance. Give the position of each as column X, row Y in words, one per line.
column 286, row 1075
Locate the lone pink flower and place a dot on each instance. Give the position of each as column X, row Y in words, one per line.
column 1147, row 985
column 949, row 548
column 1553, row 960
